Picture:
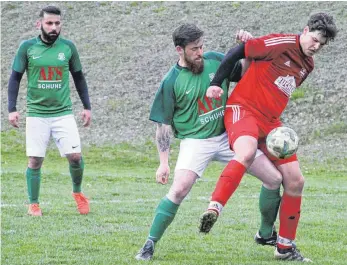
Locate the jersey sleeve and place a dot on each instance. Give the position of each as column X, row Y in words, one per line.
column 270, row 46
column 20, row 61
column 74, row 62
column 163, row 106
column 235, row 75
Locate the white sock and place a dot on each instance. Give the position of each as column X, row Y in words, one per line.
column 216, row 206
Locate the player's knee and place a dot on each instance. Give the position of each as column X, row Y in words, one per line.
column 246, row 158
column 275, row 180
column 177, row 195
column 35, row 162
column 74, row 159
column 296, row 185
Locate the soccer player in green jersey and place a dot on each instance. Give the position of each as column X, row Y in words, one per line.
column 47, row 60
column 181, row 106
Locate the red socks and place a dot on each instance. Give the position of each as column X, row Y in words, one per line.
column 289, row 218
column 228, row 182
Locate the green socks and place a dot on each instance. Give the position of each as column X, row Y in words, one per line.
column 76, row 172
column 164, row 215
column 269, row 202
column 33, row 177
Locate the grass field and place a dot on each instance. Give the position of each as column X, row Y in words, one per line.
column 120, row 183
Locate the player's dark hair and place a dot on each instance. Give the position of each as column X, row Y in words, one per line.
column 185, row 34
column 50, row 10
column 323, row 22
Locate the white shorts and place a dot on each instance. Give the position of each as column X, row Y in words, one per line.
column 63, row 130
column 195, row 154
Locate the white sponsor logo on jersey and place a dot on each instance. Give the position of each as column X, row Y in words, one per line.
column 61, row 56
column 303, row 72
column 188, row 91
column 287, row 63
column 286, row 84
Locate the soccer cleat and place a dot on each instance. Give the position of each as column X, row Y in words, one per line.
column 81, row 202
column 271, row 241
column 146, row 252
column 291, row 254
column 207, row 220
column 34, row 210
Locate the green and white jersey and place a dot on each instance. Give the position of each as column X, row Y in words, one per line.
column 182, row 103
column 47, row 67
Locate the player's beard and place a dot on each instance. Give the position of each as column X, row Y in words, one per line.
column 195, row 66
column 48, row 36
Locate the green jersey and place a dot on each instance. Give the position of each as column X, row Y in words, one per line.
column 47, row 67
column 182, row 103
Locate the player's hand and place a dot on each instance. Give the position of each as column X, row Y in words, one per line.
column 214, row 92
column 13, row 117
column 243, row 36
column 162, row 175
column 86, row 117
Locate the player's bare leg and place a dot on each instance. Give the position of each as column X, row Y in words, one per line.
column 245, row 148
column 166, row 211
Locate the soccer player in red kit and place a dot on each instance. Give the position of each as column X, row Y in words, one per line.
column 281, row 62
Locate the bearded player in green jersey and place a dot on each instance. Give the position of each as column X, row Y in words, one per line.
column 48, row 59
column 180, row 105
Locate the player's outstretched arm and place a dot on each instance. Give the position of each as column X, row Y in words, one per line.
column 228, row 64
column 163, row 139
column 13, row 89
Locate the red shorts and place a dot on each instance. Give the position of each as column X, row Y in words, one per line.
column 239, row 122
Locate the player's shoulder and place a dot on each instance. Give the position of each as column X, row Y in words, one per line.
column 213, row 55
column 25, row 44
column 68, row 42
column 274, row 39
column 171, row 76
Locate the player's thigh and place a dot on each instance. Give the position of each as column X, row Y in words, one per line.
column 183, row 182
column 225, row 154
column 265, row 170
column 240, row 123
column 293, row 180
column 195, row 154
column 65, row 134
column 38, row 132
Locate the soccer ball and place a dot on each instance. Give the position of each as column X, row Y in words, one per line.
column 282, row 142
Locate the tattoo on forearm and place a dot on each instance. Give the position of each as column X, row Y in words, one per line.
column 163, row 137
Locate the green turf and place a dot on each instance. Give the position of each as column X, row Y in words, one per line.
column 120, row 182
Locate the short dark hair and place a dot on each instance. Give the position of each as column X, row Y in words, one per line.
column 50, row 10
column 185, row 34
column 323, row 22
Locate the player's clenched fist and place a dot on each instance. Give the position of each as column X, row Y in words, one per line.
column 162, row 175
column 214, row 92
column 13, row 117
column 243, row 36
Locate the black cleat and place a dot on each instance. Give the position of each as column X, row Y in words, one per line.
column 291, row 254
column 147, row 251
column 271, row 241
column 207, row 220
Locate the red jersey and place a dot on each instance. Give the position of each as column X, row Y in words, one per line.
column 279, row 66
